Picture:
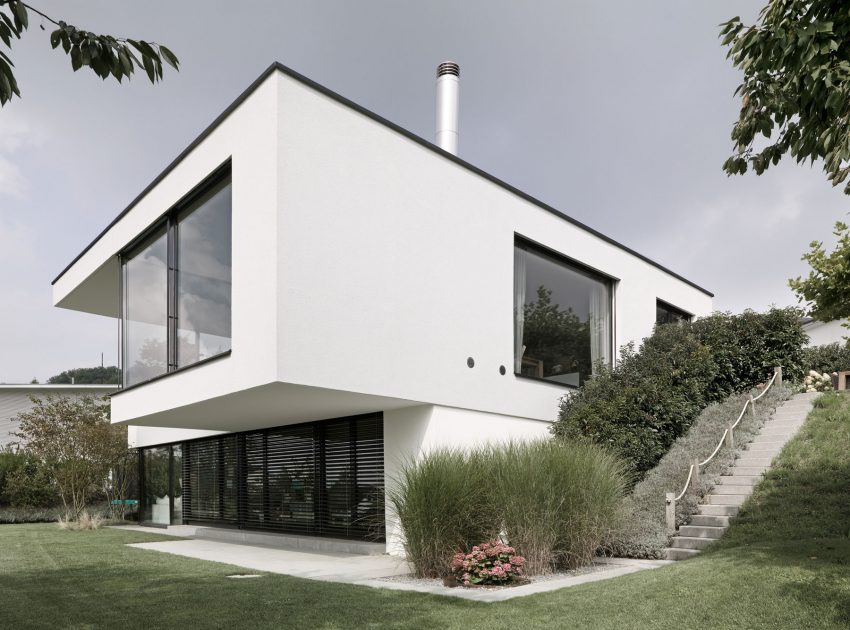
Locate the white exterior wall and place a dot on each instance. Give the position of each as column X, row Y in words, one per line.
column 247, row 136
column 396, row 265
column 366, row 269
column 823, row 333
column 412, row 432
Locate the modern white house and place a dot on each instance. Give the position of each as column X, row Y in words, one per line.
column 824, row 333
column 15, row 399
column 310, row 294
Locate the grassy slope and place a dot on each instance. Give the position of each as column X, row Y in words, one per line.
column 784, row 564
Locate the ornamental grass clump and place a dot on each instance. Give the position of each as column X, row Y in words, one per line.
column 556, row 500
column 443, row 506
column 553, row 501
column 491, row 562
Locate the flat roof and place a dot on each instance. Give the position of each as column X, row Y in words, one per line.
column 279, row 67
column 56, row 386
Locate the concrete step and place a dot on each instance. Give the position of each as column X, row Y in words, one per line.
column 680, row 554
column 707, row 520
column 727, row 499
column 701, row 531
column 751, row 461
column 754, row 471
column 688, row 542
column 773, row 445
column 730, row 489
column 738, row 480
column 778, row 433
column 717, row 510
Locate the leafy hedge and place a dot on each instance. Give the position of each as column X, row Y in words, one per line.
column 746, row 347
column 640, row 406
column 652, row 396
column 25, row 482
column 829, row 358
column 644, row 531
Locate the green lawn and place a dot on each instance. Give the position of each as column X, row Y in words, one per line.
column 784, row 564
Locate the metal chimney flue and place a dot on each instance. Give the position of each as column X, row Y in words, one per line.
column 448, row 95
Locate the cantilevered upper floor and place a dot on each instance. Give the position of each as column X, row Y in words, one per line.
column 306, row 259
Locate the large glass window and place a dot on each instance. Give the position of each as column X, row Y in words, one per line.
column 146, row 311
column 177, row 288
column 203, row 278
column 668, row 314
column 562, row 318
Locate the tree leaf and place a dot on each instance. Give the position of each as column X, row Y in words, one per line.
column 76, row 58
column 170, row 57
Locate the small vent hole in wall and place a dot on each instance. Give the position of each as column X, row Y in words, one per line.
column 470, row 362
column 502, row 370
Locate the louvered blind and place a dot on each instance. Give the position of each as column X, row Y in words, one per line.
column 323, row 478
column 211, row 481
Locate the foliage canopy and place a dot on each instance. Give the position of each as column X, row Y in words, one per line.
column 796, row 86
column 104, row 54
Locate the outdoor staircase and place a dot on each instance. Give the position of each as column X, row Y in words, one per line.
column 732, row 490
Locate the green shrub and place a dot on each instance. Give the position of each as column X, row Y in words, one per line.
column 10, row 461
column 553, row 501
column 652, row 396
column 645, row 402
column 746, row 347
column 443, row 507
column 556, row 501
column 31, row 485
column 644, row 532
column 829, row 358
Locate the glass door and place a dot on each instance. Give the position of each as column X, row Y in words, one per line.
column 162, row 486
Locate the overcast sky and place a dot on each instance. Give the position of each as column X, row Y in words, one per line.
column 616, row 113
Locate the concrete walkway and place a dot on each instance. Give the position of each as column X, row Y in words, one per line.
column 374, row 571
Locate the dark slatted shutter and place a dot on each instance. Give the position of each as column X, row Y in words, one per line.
column 211, row 481
column 322, row 478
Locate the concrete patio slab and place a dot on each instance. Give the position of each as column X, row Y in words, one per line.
column 379, row 571
column 330, row 567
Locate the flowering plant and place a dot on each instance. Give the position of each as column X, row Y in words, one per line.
column 488, row 563
column 815, row 382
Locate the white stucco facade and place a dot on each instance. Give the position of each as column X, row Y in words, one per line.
column 823, row 333
column 368, row 268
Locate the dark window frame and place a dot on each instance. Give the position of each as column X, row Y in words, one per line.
column 612, row 283
column 321, row 503
column 167, row 223
column 675, row 310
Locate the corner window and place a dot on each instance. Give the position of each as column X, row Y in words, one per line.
column 176, row 283
column 562, row 317
column 668, row 314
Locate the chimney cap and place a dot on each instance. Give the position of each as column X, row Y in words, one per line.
column 448, row 67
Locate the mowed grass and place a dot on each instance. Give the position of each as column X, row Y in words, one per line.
column 784, row 564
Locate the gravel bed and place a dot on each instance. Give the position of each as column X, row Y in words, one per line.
column 415, row 581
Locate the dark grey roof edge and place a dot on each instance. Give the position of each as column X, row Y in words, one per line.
column 277, row 66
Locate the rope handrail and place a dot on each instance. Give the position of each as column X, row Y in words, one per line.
column 768, row 386
column 670, row 498
column 722, row 438
column 687, row 483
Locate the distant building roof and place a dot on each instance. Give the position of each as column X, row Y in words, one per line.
column 56, row 387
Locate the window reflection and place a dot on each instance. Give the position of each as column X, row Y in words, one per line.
column 668, row 314
column 203, row 278
column 162, row 334
column 562, row 318
column 146, row 312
